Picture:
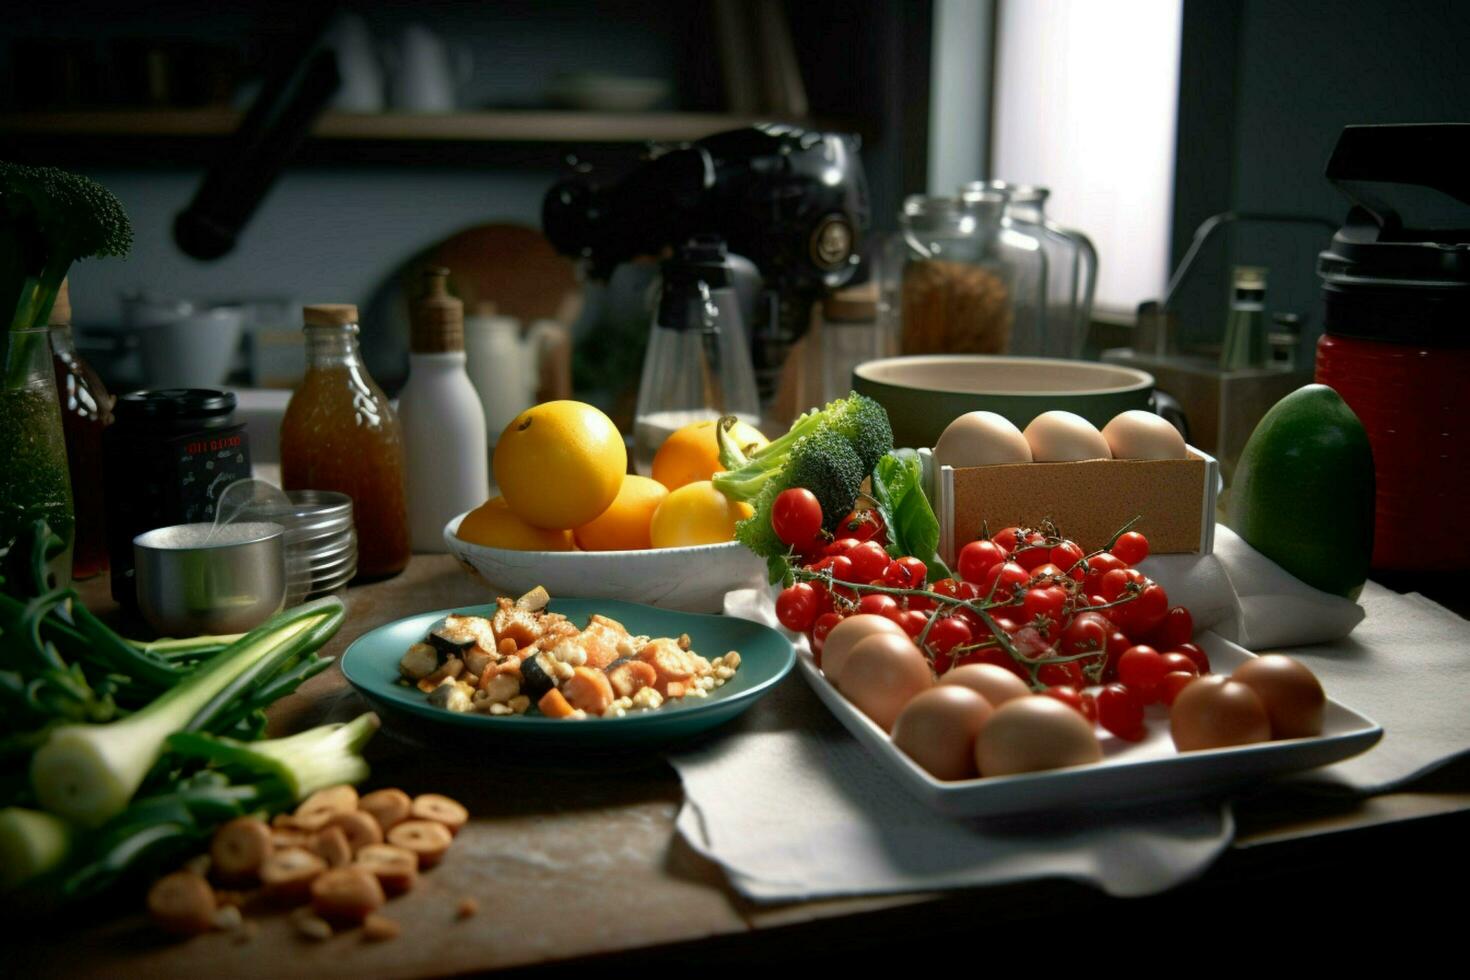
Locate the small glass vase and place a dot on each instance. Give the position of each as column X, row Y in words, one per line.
column 34, row 482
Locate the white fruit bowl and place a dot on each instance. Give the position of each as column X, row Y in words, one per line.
column 691, row 579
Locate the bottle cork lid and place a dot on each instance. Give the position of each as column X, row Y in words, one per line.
column 61, row 309
column 329, row 314
column 855, row 304
column 437, row 317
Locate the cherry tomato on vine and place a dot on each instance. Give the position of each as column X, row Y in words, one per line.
column 948, row 633
column 977, row 558
column 1007, row 538
column 993, row 655
column 865, row 525
column 1032, row 551
column 1118, row 642
column 1046, row 570
column 1174, row 682
column 922, row 603
column 905, row 573
column 1086, row 633
column 840, row 565
column 1193, row 652
column 1046, row 602
column 1179, row 662
column 797, row 607
column 1098, row 566
column 1061, row 675
column 1003, row 579
column 796, row 517
column 1083, row 704
column 819, row 632
column 1141, row 668
column 1176, row 627
column 953, row 589
column 878, row 604
column 869, row 561
column 840, row 547
column 1120, row 711
column 1130, row 548
column 1115, row 583
column 1066, row 557
column 1140, row 616
column 912, row 622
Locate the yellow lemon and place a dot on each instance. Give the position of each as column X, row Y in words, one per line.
column 692, row 453
column 493, row 525
column 624, row 525
column 696, row 513
column 560, row 464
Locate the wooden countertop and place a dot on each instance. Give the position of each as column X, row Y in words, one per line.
column 577, row 858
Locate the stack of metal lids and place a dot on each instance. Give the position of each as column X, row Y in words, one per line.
column 320, row 543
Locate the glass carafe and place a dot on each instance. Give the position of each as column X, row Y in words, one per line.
column 697, row 365
column 1071, row 267
column 33, row 469
column 971, row 283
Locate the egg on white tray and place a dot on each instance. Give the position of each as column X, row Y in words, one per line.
column 1065, row 437
column 937, row 729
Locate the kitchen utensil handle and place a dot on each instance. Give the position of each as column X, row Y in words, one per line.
column 1169, row 408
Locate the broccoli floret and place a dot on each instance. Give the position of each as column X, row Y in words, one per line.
column 864, row 424
column 48, row 219
column 826, row 464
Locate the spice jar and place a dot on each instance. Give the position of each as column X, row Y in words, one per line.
column 340, row 434
column 166, row 459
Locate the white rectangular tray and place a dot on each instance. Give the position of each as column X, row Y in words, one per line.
column 1130, row 771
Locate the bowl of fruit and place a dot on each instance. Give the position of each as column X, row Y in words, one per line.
column 570, row 518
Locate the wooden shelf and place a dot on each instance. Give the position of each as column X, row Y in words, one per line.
column 502, row 138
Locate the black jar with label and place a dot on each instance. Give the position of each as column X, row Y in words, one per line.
column 167, row 457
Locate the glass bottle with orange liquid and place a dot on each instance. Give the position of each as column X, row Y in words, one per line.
column 86, row 409
column 341, row 434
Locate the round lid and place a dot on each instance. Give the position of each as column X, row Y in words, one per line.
column 329, row 314
column 703, row 258
column 175, row 405
column 437, row 317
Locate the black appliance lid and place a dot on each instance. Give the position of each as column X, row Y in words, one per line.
column 175, row 405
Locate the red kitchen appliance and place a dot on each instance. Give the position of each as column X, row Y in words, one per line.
column 1396, row 286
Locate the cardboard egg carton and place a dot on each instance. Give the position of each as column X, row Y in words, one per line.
column 1088, row 501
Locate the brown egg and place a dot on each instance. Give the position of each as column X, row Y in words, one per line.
column 846, row 634
column 1033, row 733
column 937, row 730
column 882, row 674
column 995, row 684
column 1291, row 693
column 1215, row 711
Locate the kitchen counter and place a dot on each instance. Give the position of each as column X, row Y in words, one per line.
column 577, row 858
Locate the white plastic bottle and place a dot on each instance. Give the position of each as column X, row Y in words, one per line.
column 445, row 451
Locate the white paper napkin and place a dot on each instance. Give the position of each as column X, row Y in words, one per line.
column 1247, row 598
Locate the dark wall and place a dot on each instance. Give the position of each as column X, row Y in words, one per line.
column 1265, row 88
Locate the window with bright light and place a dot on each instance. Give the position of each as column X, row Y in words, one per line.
column 1086, row 97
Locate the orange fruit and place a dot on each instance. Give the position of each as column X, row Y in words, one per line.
column 624, row 525
column 692, row 453
column 560, row 464
column 696, row 513
column 494, row 525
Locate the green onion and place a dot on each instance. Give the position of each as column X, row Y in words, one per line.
column 313, row 760
column 88, row 773
column 31, row 844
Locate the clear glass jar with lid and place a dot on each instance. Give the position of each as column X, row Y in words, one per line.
column 1071, row 267
column 970, row 283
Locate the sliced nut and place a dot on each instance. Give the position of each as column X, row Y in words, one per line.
column 240, row 847
column 388, row 807
column 427, row 839
column 288, row 874
column 284, row 821
column 396, row 869
column 311, row 925
column 290, row 837
column 359, row 828
column 318, row 809
column 331, row 844
column 440, row 809
column 182, row 904
column 377, row 927
column 346, row 894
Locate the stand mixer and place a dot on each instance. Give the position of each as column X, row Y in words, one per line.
column 792, row 201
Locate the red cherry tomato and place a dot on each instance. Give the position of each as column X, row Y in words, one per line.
column 865, row 525
column 1066, row 557
column 1098, row 566
column 1140, row 616
column 841, row 546
column 1174, row 682
column 796, row 517
column 1179, row 662
column 1083, row 704
column 878, row 604
column 1046, row 602
column 948, row 633
column 920, row 602
column 913, row 622
column 1086, row 633
column 1193, row 652
column 978, row 557
column 819, row 632
column 1007, row 539
column 1032, row 551
column 950, row 588
column 869, row 561
column 797, row 607
column 1118, row 643
column 840, row 565
column 1115, row 583
column 1141, row 668
column 1002, row 580
column 905, row 573
column 1120, row 711
column 993, row 655
column 1068, row 674
column 1130, row 548
column 1176, row 627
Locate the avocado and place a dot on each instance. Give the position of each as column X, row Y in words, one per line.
column 1302, row 494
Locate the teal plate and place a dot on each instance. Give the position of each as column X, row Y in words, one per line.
column 371, row 665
